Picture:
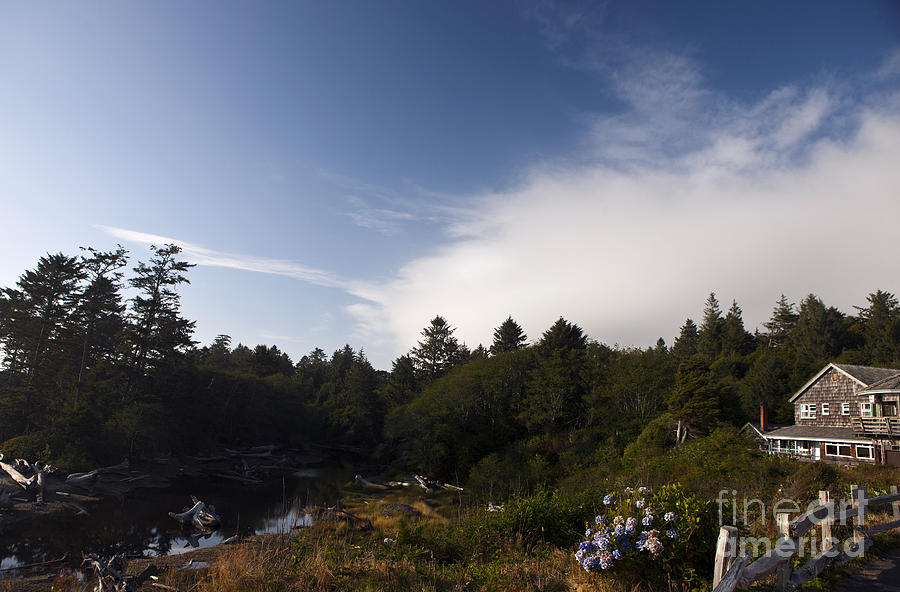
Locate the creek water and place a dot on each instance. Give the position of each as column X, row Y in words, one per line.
column 140, row 524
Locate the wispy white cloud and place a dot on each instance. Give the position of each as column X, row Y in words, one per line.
column 890, row 68
column 388, row 210
column 209, row 257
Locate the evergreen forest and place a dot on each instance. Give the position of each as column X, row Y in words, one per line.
column 99, row 364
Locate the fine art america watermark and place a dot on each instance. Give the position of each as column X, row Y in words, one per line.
column 755, row 510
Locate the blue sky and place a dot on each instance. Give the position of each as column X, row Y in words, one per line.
column 343, row 171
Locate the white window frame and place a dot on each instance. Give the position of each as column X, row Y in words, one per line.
column 825, row 409
column 865, row 410
column 836, row 449
column 845, row 408
column 868, row 449
column 808, row 411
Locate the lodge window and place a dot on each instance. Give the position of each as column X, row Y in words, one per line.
column 808, row 411
column 865, row 409
column 824, row 408
column 845, row 408
column 865, row 451
column 838, row 450
column 889, row 409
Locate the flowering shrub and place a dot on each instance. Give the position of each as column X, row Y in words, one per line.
column 650, row 536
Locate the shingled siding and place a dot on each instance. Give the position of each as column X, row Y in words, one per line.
column 833, row 391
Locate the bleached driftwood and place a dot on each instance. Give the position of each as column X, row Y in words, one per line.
column 362, row 480
column 33, row 483
column 433, row 484
column 91, row 476
column 111, row 574
column 14, row 470
column 203, row 517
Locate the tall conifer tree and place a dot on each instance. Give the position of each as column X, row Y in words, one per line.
column 509, row 336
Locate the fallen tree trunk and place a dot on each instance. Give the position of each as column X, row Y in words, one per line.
column 33, row 483
column 432, row 484
column 362, row 480
column 91, row 476
column 13, row 471
column 203, row 517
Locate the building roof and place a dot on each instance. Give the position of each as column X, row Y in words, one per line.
column 867, row 374
column 891, row 384
column 864, row 375
column 757, row 427
column 802, row 432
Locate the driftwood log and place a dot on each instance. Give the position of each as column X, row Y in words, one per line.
column 111, row 574
column 28, row 476
column 90, row 477
column 433, row 484
column 363, row 481
column 200, row 515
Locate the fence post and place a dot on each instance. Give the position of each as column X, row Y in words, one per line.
column 827, row 542
column 783, row 584
column 858, row 495
column 895, row 505
column 726, row 552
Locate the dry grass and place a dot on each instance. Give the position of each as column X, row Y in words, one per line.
column 332, row 556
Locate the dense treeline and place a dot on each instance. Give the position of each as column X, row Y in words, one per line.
column 98, row 362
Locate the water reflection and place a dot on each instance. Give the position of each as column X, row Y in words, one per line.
column 140, row 525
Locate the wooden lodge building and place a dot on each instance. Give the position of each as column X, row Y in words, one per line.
column 844, row 414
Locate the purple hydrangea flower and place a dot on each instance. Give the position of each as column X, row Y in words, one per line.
column 617, row 554
column 672, row 533
column 640, row 503
column 608, row 499
column 669, row 517
column 646, row 520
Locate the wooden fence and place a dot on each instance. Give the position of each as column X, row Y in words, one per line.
column 734, row 569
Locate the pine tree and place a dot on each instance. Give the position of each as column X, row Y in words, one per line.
column 438, row 351
column 100, row 310
column 158, row 329
column 880, row 323
column 709, row 343
column 735, row 339
column 509, row 336
column 49, row 295
column 685, row 345
column 402, row 383
column 818, row 337
column 694, row 400
column 561, row 338
column 783, row 321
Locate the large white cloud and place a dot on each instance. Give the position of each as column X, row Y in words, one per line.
column 797, row 194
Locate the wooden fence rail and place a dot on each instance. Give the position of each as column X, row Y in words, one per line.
column 734, row 569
